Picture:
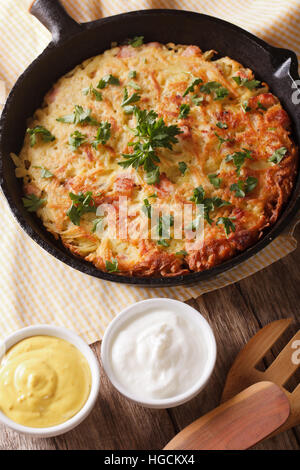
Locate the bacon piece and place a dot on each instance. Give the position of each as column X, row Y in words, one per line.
column 51, row 96
column 31, row 188
column 266, row 100
column 156, row 84
column 124, row 185
column 155, row 44
column 191, row 51
column 165, row 186
column 186, row 132
column 279, row 117
column 89, row 153
column 125, row 52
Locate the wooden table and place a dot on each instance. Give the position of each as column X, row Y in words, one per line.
column 235, row 313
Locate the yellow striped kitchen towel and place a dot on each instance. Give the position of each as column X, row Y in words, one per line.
column 35, row 287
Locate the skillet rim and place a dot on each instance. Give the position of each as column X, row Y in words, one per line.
column 189, row 279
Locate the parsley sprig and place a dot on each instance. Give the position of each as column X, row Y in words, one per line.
column 278, row 155
column 108, row 80
column 136, row 41
column 76, row 139
column 128, row 101
column 103, row 134
column 151, row 133
column 90, row 90
column 216, row 89
column 241, row 188
column 191, row 87
column 239, row 158
column 209, row 203
column 79, row 116
column 32, row 203
column 42, row 131
column 228, row 224
column 184, row 111
column 112, row 266
column 82, row 203
column 250, row 84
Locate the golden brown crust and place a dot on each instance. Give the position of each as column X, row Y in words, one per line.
column 252, row 119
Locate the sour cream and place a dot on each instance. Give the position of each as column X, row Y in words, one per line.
column 160, row 352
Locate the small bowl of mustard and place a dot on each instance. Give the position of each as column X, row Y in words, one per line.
column 49, row 380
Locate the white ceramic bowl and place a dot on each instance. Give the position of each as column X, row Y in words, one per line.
column 74, row 339
column 180, row 308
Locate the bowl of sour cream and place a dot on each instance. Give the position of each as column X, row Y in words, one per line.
column 159, row 353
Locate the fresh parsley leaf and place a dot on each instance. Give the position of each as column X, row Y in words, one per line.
column 136, row 41
column 132, row 74
column 209, row 203
column 191, row 87
column 239, row 158
column 182, row 167
column 184, row 111
column 103, row 134
column 92, row 91
column 164, row 224
column 97, row 222
column 228, row 224
column 222, row 125
column 150, row 133
column 163, row 242
column 112, row 266
column 216, row 88
column 198, row 195
column 44, row 172
column 153, row 195
column 245, row 107
column 278, row 155
column 128, row 100
column 82, row 203
column 147, row 209
column 108, row 80
column 134, row 85
column 181, row 253
column 45, row 134
column 79, row 116
column 260, row 106
column 197, row 100
column 32, row 203
column 239, row 188
column 250, row 84
column 76, row 139
column 214, row 180
column 251, row 183
column 221, row 140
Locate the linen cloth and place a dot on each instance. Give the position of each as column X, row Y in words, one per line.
column 37, row 288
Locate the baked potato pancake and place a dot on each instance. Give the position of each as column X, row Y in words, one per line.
column 158, row 124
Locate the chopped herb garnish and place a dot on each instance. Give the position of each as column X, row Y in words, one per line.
column 163, row 242
column 108, row 80
column 82, row 203
column 76, row 139
column 164, row 224
column 147, row 209
column 278, row 155
column 153, row 195
column 111, row 266
column 182, row 167
column 197, row 100
column 218, row 90
column 32, row 203
column 92, row 91
column 191, row 87
column 242, row 188
column 79, row 116
column 221, row 140
column 132, row 74
column 97, row 222
column 239, row 158
column 228, row 224
column 222, row 125
column 184, row 111
column 215, row 180
column 209, row 203
column 260, row 106
column 250, row 84
column 44, row 172
column 44, row 133
column 134, row 85
column 181, row 253
column 129, row 100
column 136, row 41
column 245, row 107
column 151, row 133
column 103, row 134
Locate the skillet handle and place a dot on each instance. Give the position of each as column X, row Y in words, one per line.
column 52, row 14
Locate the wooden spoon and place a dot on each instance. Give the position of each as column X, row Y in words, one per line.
column 244, row 373
column 238, row 424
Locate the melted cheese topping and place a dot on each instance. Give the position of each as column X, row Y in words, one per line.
column 163, row 72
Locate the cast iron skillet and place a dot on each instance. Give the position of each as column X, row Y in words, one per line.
column 73, row 42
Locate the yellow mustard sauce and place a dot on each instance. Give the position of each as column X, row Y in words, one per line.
column 44, row 381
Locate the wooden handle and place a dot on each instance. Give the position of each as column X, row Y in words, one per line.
column 237, row 424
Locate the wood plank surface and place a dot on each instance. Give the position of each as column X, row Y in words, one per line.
column 235, row 313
